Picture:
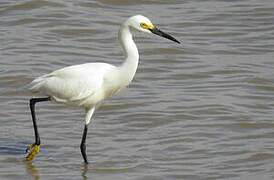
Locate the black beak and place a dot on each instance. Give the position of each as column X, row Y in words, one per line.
column 163, row 34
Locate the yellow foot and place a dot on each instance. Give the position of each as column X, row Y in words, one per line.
column 36, row 149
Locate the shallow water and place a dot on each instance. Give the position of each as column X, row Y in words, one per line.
column 200, row 110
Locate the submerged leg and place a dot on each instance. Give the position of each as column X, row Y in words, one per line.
column 35, row 147
column 89, row 113
column 83, row 144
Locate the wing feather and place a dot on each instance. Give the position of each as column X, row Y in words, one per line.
column 73, row 83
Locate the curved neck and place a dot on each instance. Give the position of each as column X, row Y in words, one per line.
column 130, row 64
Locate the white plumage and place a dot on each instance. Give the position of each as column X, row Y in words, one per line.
column 80, row 85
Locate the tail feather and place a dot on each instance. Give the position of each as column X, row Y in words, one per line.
column 36, row 84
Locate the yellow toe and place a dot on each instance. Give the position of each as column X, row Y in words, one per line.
column 30, row 147
column 36, row 149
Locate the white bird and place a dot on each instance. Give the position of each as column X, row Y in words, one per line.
column 88, row 84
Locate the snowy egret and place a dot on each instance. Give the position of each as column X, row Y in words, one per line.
column 86, row 85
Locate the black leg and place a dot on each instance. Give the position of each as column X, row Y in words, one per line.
column 35, row 146
column 32, row 109
column 83, row 144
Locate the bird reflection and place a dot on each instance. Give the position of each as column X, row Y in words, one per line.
column 84, row 171
column 32, row 170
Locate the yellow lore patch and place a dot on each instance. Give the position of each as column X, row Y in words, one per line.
column 147, row 26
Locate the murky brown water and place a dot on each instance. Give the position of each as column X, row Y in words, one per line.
column 203, row 110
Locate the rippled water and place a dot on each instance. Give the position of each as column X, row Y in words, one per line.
column 203, row 110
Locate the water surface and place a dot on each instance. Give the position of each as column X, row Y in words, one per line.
column 200, row 110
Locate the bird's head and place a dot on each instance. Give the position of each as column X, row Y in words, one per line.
column 143, row 24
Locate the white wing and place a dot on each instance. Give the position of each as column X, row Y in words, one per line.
column 73, row 83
